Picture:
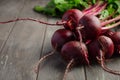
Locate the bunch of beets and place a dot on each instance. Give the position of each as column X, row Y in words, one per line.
column 85, row 38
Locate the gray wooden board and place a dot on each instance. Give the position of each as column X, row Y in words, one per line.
column 23, row 46
column 8, row 10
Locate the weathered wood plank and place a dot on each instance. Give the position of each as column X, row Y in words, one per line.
column 8, row 10
column 23, row 46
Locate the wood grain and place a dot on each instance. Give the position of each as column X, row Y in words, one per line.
column 23, row 46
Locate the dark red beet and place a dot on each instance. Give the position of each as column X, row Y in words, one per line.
column 107, row 46
column 102, row 43
column 92, row 27
column 60, row 37
column 72, row 18
column 75, row 50
column 116, row 38
column 93, row 50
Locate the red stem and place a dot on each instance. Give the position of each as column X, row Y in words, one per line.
column 91, row 8
column 31, row 19
column 101, row 7
column 97, row 9
column 79, row 33
column 110, row 21
column 111, row 26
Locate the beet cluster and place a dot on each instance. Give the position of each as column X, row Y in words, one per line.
column 84, row 39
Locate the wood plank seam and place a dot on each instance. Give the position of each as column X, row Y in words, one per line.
column 11, row 29
column 85, row 72
column 42, row 48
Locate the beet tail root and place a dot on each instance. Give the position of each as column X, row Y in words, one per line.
column 102, row 63
column 36, row 68
column 35, row 20
column 68, row 68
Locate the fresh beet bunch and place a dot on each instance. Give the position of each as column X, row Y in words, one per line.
column 84, row 38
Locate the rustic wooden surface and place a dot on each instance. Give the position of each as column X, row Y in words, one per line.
column 23, row 43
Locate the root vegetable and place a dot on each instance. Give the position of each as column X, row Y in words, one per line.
column 93, row 27
column 60, row 37
column 75, row 50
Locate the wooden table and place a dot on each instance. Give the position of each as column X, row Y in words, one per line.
column 23, row 43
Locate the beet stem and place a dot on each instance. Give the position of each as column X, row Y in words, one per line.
column 111, row 26
column 36, row 69
column 101, row 7
column 31, row 19
column 68, row 68
column 102, row 62
column 91, row 7
column 96, row 10
column 110, row 21
column 91, row 10
column 79, row 33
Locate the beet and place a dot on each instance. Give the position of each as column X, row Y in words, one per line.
column 106, row 45
column 60, row 37
column 92, row 27
column 75, row 50
column 102, row 43
column 116, row 38
column 72, row 18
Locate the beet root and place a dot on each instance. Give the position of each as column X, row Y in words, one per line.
column 115, row 36
column 60, row 37
column 102, row 43
column 72, row 18
column 75, row 50
column 92, row 27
